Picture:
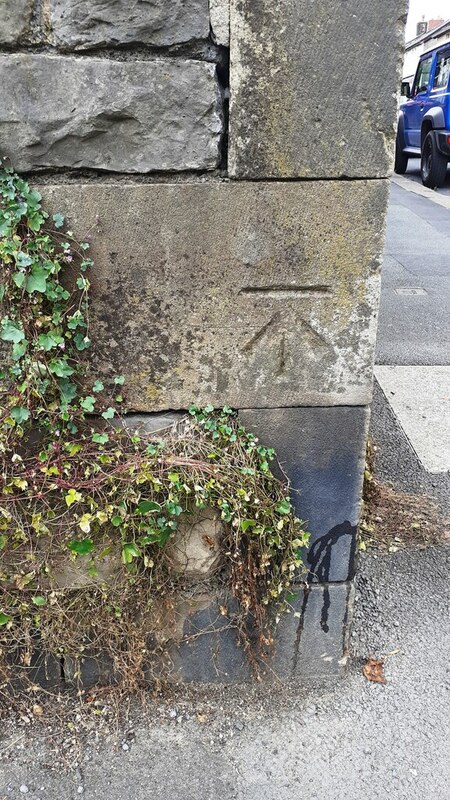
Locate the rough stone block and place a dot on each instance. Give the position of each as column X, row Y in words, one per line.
column 314, row 87
column 251, row 294
column 311, row 641
column 15, row 20
column 209, row 650
column 132, row 116
column 195, row 550
column 92, row 23
column 35, row 667
column 88, row 671
column 322, row 450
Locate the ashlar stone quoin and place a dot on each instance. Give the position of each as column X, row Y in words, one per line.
column 256, row 295
column 314, row 87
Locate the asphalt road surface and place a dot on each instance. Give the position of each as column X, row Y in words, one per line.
column 411, row 408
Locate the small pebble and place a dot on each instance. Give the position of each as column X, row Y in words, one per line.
column 125, row 746
column 80, row 789
column 23, row 789
column 172, row 713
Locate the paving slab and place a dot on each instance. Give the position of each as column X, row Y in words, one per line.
column 420, row 398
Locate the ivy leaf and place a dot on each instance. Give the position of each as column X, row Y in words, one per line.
column 20, row 414
column 119, row 380
column 100, row 438
column 130, row 550
column 82, row 342
column 23, row 260
column 39, row 600
column 109, row 413
column 11, row 331
column 247, row 523
column 60, row 367
column 72, row 497
column 3, row 541
column 19, row 279
column 19, row 350
column 4, row 619
column 116, row 521
column 58, row 219
column 50, row 340
column 68, row 391
column 147, row 507
column 284, row 507
column 85, row 522
column 81, row 547
column 173, row 508
column 87, row 403
column 37, row 281
column 98, row 386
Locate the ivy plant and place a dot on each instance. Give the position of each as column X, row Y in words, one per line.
column 79, row 488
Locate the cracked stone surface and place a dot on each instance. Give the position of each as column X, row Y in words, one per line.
column 92, row 23
column 314, row 87
column 135, row 116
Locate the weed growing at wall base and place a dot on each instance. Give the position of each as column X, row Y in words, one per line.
column 82, row 493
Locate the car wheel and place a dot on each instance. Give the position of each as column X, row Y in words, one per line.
column 433, row 165
column 401, row 160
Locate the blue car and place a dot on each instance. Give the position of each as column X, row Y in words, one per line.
column 424, row 119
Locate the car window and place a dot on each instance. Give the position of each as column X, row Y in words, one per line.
column 422, row 76
column 442, row 71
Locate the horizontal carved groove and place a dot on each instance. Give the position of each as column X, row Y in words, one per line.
column 280, row 290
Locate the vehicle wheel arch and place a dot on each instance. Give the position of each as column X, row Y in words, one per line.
column 434, row 118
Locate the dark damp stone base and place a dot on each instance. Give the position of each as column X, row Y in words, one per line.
column 322, row 450
column 310, row 643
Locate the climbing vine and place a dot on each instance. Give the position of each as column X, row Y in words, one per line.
column 80, row 489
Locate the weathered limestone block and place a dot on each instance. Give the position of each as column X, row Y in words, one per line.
column 314, row 87
column 322, row 450
column 133, row 116
column 220, row 21
column 252, row 294
column 91, row 23
column 15, row 20
column 195, row 549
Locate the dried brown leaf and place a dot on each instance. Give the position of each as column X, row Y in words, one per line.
column 373, row 670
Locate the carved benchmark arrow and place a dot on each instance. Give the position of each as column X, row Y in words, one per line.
column 281, row 291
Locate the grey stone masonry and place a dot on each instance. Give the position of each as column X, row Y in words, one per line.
column 203, row 643
column 15, row 19
column 92, row 23
column 322, row 451
column 252, row 294
column 134, row 116
column 314, row 87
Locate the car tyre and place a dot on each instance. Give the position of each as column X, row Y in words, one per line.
column 401, row 160
column 433, row 165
